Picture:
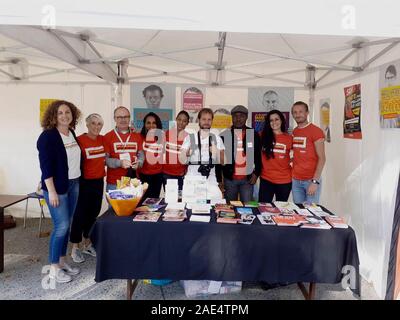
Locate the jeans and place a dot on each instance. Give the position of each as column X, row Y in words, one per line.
column 62, row 218
column 299, row 191
column 233, row 188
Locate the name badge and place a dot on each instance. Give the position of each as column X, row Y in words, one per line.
column 125, row 156
column 249, row 144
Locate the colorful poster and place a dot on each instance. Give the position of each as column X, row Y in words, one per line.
column 352, row 112
column 270, row 98
column 139, row 114
column 389, row 102
column 44, row 103
column 192, row 101
column 325, row 111
column 222, row 117
column 258, row 120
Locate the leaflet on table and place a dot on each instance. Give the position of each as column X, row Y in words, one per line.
column 237, row 203
column 228, row 217
column 304, row 212
column 200, row 208
column 200, row 218
column 289, row 220
column 252, row 204
column 315, row 223
column 265, row 219
column 217, row 201
column 194, row 189
column 223, row 207
column 247, row 218
column 285, row 205
column 147, row 216
column 336, row 222
column 149, row 208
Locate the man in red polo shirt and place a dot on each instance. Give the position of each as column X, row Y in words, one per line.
column 123, row 149
column 308, row 156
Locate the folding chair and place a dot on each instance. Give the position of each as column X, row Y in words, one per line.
column 42, row 202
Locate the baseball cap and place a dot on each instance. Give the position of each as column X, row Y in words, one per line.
column 239, row 108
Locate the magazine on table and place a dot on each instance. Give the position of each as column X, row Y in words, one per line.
column 289, row 220
column 315, row 223
column 174, row 215
column 149, row 208
column 199, row 218
column 223, row 207
column 152, row 201
column 268, row 210
column 228, row 217
column 304, row 212
column 237, row 203
column 244, row 210
column 337, row 222
column 282, row 205
column 252, row 204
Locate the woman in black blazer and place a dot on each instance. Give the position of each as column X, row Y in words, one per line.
column 60, row 163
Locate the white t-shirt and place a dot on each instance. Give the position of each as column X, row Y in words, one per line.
column 205, row 154
column 73, row 155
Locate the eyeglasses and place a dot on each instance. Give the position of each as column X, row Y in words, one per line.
column 123, row 118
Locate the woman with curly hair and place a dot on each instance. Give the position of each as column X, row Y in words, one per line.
column 60, row 163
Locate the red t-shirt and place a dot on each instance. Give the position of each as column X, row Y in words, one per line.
column 173, row 144
column 153, row 151
column 278, row 170
column 130, row 142
column 94, row 157
column 305, row 157
column 239, row 172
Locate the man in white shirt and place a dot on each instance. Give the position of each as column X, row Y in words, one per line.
column 212, row 149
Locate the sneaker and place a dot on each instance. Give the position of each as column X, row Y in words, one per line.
column 70, row 270
column 77, row 256
column 89, row 250
column 59, row 275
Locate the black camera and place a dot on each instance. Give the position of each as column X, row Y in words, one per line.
column 205, row 169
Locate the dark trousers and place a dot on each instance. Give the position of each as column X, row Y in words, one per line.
column 268, row 190
column 88, row 208
column 168, row 176
column 155, row 182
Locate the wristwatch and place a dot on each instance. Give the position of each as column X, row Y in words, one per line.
column 314, row 181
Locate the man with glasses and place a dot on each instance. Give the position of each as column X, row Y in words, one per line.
column 123, row 149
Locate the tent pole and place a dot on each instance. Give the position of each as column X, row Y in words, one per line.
column 311, row 84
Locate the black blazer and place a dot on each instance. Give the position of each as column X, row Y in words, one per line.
column 53, row 159
column 252, row 151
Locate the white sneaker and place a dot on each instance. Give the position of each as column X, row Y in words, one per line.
column 59, row 275
column 77, row 256
column 89, row 250
column 72, row 271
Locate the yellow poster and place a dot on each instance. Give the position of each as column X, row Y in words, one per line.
column 222, row 121
column 390, row 107
column 44, row 103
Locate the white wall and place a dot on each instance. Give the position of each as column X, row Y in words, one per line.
column 360, row 176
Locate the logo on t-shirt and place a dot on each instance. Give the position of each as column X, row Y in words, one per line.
column 300, row 142
column 172, row 147
column 95, row 152
column 125, row 147
column 279, row 148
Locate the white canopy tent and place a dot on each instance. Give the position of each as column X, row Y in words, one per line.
column 89, row 56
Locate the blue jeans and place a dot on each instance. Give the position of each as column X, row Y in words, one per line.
column 299, row 191
column 62, row 218
column 233, row 188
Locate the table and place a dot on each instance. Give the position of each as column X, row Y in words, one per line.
column 222, row 252
column 6, row 201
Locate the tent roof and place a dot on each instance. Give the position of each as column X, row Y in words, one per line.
column 201, row 57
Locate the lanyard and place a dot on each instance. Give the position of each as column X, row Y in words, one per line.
column 119, row 138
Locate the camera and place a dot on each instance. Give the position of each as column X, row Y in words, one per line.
column 205, row 169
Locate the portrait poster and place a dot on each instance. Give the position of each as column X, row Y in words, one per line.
column 155, row 97
column 352, row 112
column 222, row 116
column 193, row 98
column 389, row 95
column 266, row 99
column 325, row 111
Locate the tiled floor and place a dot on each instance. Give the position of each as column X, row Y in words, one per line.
column 26, row 254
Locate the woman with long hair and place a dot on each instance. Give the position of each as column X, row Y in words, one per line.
column 60, row 163
column 276, row 173
column 153, row 144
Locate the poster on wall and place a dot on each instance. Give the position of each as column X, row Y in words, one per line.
column 139, row 114
column 192, row 101
column 258, row 120
column 389, row 95
column 263, row 100
column 222, row 116
column 325, row 111
column 352, row 112
column 44, row 103
column 151, row 97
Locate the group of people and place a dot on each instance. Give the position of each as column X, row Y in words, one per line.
column 73, row 168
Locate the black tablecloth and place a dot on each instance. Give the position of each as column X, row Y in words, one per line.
column 215, row 251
